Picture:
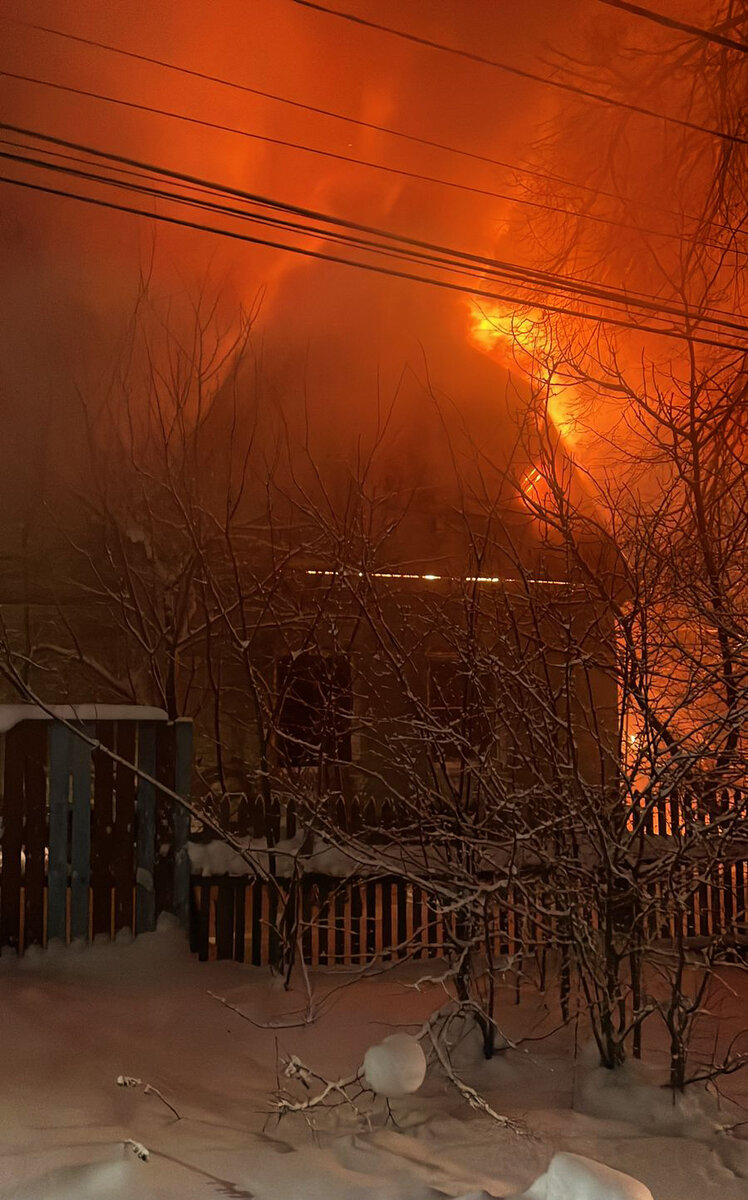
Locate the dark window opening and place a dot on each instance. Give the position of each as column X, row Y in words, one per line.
column 316, row 709
column 457, row 703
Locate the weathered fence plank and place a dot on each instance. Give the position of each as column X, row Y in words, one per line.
column 203, row 922
column 102, row 823
column 35, row 830
column 181, row 820
column 13, row 812
column 258, row 891
column 225, row 918
column 163, row 868
column 59, row 812
column 240, row 921
column 123, row 856
column 145, row 895
column 80, row 839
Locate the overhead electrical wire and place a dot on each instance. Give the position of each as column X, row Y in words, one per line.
column 357, row 121
column 457, row 260
column 142, row 182
column 510, row 197
column 300, row 146
column 519, row 271
column 306, row 107
column 370, row 267
column 447, row 255
column 520, row 72
column 696, row 31
column 444, row 259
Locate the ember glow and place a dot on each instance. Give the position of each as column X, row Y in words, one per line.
column 373, row 598
column 495, row 328
column 520, row 340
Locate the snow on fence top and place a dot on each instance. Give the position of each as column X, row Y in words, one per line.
column 12, row 714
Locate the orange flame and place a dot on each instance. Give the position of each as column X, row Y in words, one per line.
column 521, row 339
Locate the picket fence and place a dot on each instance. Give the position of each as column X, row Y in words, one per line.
column 353, row 921
column 339, row 922
column 89, row 846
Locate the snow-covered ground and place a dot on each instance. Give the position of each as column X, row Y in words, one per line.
column 73, row 1021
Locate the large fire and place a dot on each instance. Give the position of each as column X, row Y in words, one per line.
column 521, row 339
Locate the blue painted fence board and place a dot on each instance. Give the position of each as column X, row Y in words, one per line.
column 90, row 831
column 181, row 817
column 145, row 896
column 12, row 840
column 80, row 848
column 60, row 751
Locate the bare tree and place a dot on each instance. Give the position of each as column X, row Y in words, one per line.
column 653, row 429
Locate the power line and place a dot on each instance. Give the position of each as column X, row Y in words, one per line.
column 506, row 269
column 371, row 267
column 456, row 260
column 386, row 129
column 462, row 264
column 708, row 35
column 274, row 141
column 312, row 108
column 143, row 183
column 514, row 272
column 362, row 162
column 508, row 68
column 483, row 293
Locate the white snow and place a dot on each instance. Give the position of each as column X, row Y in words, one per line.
column 574, row 1177
column 631, row 1094
column 216, row 858
column 12, row 714
column 396, row 1066
column 115, row 1180
column 74, row 1020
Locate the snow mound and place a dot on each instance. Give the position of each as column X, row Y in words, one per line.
column 12, row 714
column 396, row 1066
column 119, row 1180
column 633, row 1093
column 572, row 1177
column 217, row 858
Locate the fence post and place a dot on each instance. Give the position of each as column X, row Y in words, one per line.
column 12, row 840
column 145, row 897
column 60, row 751
column 182, row 785
column 80, row 848
column 35, row 831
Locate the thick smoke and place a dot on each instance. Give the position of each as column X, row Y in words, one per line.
column 337, row 337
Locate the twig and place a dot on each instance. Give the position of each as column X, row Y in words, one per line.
column 474, row 1099
column 308, row 1019
column 295, row 1069
column 130, row 1081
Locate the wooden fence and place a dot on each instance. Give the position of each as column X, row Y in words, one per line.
column 276, row 819
column 340, row 922
column 354, row 921
column 345, row 922
column 89, row 846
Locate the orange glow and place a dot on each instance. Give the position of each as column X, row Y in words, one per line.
column 495, row 579
column 495, row 327
column 521, row 340
column 529, row 483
